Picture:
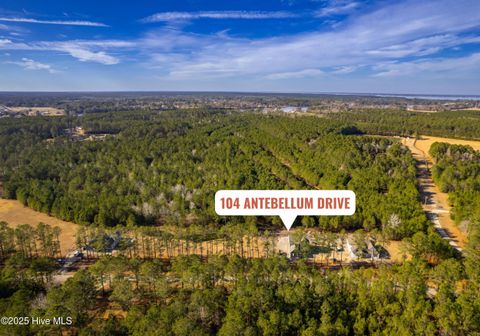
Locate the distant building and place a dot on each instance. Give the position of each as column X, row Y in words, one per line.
column 289, row 109
column 79, row 130
column 292, row 109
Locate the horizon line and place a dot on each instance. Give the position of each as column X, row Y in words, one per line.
column 347, row 93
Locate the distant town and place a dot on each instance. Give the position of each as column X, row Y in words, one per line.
column 76, row 104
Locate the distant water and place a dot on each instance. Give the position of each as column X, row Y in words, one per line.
column 431, row 97
column 391, row 95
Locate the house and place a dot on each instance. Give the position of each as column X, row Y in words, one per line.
column 368, row 251
column 352, row 249
column 289, row 109
column 284, row 245
column 372, row 251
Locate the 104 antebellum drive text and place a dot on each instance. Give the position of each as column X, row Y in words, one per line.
column 288, row 204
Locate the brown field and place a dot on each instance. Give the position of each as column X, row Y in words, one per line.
column 14, row 213
column 420, row 110
column 425, row 142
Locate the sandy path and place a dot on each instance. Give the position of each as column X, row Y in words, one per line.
column 434, row 202
column 14, row 213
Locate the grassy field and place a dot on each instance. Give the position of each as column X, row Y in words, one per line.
column 425, row 142
column 14, row 213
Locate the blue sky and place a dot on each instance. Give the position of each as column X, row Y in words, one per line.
column 410, row 46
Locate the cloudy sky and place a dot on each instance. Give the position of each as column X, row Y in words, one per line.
column 410, row 46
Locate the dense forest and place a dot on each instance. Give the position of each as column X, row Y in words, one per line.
column 231, row 294
column 455, row 124
column 457, row 172
column 235, row 296
column 164, row 168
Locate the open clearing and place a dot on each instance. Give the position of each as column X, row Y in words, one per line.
column 14, row 213
column 425, row 142
column 33, row 111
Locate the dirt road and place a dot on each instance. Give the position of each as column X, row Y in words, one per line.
column 434, row 202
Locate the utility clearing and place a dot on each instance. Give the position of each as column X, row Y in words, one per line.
column 435, row 203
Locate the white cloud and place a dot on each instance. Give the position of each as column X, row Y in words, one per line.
column 337, row 7
column 29, row 64
column 85, row 55
column 417, row 29
column 5, row 42
column 341, row 70
column 296, row 74
column 90, row 51
column 14, row 30
column 246, row 15
column 423, row 46
column 456, row 65
column 83, row 50
column 54, row 22
column 375, row 40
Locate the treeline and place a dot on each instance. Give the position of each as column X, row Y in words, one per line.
column 322, row 248
column 455, row 124
column 166, row 167
column 457, row 172
column 234, row 296
column 42, row 240
column 165, row 243
column 19, row 134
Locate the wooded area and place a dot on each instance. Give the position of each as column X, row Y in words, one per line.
column 453, row 124
column 147, row 185
column 457, row 172
column 164, row 168
column 236, row 296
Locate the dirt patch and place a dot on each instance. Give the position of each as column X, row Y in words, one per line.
column 15, row 214
column 396, row 251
